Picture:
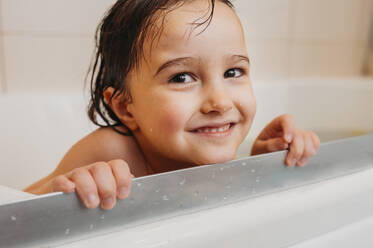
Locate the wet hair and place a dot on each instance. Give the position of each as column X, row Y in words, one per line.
column 119, row 46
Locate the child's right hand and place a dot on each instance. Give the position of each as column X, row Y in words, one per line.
column 97, row 183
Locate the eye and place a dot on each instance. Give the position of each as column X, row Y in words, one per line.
column 234, row 72
column 181, row 78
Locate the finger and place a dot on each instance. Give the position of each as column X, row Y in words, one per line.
column 308, row 151
column 315, row 141
column 85, row 187
column 123, row 177
column 287, row 125
column 281, row 126
column 62, row 184
column 271, row 145
column 106, row 185
column 295, row 150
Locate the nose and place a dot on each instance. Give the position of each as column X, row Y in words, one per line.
column 217, row 100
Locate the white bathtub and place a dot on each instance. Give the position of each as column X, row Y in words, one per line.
column 37, row 128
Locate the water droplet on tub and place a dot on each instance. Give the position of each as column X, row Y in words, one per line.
column 257, row 180
column 165, row 198
column 67, row 231
column 205, row 198
column 221, row 168
column 213, row 175
column 224, row 198
column 13, row 218
column 102, row 217
column 228, row 186
column 253, row 170
column 90, row 226
column 139, row 184
column 157, row 191
column 243, row 163
column 196, row 193
column 183, row 181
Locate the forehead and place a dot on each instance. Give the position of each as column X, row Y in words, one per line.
column 180, row 36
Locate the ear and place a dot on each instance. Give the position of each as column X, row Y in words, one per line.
column 121, row 107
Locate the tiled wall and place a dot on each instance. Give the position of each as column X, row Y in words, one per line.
column 48, row 44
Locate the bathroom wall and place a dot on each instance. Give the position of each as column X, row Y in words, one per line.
column 47, row 44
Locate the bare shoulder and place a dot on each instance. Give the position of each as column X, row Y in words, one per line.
column 103, row 144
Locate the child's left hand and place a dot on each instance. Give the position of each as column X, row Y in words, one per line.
column 281, row 134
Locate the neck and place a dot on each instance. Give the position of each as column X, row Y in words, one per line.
column 157, row 163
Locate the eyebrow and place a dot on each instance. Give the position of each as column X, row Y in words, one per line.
column 177, row 61
column 187, row 60
column 240, row 58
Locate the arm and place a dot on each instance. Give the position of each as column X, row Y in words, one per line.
column 94, row 181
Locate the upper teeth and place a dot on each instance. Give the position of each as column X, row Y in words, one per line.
column 213, row 130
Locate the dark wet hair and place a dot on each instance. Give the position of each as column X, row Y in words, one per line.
column 119, row 46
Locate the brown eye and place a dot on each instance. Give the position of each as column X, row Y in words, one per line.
column 181, row 78
column 234, row 72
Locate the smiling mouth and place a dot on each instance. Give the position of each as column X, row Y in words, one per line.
column 214, row 130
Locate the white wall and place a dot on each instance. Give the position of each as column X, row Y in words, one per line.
column 48, row 44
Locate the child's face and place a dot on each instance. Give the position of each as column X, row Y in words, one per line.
column 192, row 100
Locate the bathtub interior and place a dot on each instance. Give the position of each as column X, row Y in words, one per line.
column 37, row 128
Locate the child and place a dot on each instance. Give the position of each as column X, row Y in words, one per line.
column 171, row 82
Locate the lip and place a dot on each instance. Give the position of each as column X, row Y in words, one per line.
column 215, row 126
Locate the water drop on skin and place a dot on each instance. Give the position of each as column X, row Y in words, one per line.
column 13, row 218
column 151, row 129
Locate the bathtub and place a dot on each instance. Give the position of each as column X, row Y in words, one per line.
column 38, row 128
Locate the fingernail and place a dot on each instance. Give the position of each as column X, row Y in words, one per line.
column 293, row 161
column 108, row 202
column 302, row 161
column 92, row 199
column 122, row 191
column 289, row 137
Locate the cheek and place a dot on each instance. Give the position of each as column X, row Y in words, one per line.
column 172, row 115
column 247, row 103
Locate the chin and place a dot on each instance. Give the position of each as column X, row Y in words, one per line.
column 219, row 158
